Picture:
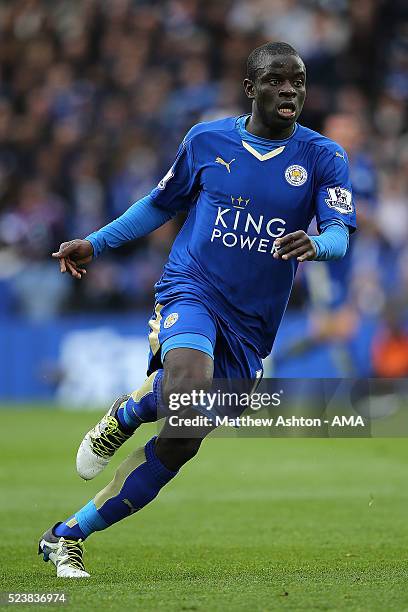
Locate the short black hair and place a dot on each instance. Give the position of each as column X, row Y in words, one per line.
column 271, row 48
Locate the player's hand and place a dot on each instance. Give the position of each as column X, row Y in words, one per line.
column 297, row 244
column 73, row 255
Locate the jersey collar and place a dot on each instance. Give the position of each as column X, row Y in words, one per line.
column 250, row 141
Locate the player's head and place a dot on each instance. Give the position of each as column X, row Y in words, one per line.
column 276, row 83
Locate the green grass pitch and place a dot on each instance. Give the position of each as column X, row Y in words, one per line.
column 250, row 524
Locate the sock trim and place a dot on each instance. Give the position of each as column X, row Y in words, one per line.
column 63, row 530
column 89, row 519
column 133, row 421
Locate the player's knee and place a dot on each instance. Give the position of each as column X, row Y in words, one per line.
column 175, row 452
column 185, row 370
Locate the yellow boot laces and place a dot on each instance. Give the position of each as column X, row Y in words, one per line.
column 109, row 440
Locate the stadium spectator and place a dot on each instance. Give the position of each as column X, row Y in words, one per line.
column 88, row 90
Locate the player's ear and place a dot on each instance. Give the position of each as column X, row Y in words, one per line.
column 249, row 89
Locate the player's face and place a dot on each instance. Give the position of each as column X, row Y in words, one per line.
column 279, row 90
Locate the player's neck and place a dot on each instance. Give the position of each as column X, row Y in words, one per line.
column 257, row 128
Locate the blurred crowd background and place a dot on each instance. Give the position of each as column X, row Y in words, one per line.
column 96, row 95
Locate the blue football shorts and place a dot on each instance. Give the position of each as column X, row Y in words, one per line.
column 189, row 323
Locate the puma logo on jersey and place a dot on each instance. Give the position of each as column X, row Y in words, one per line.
column 341, row 155
column 219, row 160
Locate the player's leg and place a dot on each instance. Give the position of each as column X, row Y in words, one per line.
column 175, row 446
column 140, row 477
column 125, row 415
column 179, row 323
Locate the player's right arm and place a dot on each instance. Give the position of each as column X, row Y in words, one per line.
column 175, row 192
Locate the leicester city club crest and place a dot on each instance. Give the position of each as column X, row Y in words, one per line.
column 296, row 175
column 170, row 320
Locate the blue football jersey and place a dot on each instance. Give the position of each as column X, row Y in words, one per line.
column 239, row 200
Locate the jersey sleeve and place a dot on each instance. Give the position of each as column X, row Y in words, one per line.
column 334, row 197
column 178, row 189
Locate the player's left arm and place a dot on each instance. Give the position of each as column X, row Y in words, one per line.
column 334, row 209
column 175, row 192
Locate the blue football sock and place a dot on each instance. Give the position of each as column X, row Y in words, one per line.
column 144, row 405
column 73, row 531
column 137, row 482
column 127, row 424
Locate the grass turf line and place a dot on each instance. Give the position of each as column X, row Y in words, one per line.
column 250, row 524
